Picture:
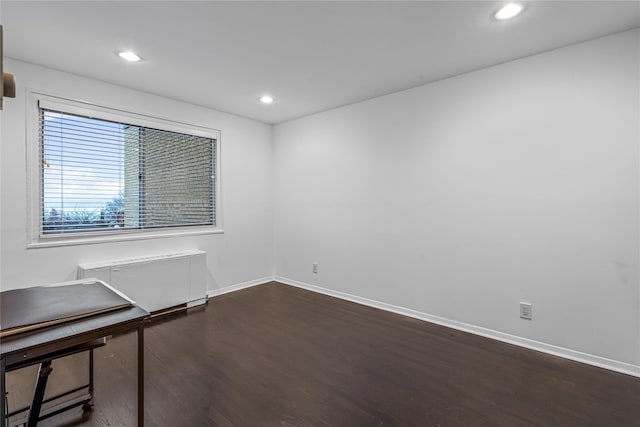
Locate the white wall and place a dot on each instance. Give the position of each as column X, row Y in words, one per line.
column 456, row 199
column 244, row 253
column 463, row 197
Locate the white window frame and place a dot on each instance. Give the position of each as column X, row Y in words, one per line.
column 35, row 100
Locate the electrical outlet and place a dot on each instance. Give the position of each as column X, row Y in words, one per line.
column 314, row 268
column 526, row 311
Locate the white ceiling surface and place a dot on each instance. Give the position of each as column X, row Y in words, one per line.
column 311, row 56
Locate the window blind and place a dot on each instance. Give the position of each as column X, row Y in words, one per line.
column 107, row 176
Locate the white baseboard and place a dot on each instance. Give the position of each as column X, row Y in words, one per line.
column 590, row 359
column 216, row 292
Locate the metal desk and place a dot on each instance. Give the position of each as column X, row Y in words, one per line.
column 41, row 343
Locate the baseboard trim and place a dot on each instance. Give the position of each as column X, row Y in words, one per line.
column 217, row 292
column 590, row 359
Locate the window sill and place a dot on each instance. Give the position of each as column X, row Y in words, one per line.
column 76, row 241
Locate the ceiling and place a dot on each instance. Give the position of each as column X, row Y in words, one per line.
column 310, row 56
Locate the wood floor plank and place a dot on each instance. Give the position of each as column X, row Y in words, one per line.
column 275, row 355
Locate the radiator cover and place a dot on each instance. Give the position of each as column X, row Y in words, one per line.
column 155, row 282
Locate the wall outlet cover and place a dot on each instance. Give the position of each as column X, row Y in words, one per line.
column 526, row 311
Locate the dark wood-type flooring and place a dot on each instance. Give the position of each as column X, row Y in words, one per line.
column 275, row 355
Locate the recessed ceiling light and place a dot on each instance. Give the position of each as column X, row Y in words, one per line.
column 129, row 56
column 508, row 11
column 266, row 99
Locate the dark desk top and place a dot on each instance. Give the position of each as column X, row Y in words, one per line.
column 31, row 308
column 46, row 340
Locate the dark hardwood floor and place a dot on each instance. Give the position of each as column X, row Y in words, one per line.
column 275, row 355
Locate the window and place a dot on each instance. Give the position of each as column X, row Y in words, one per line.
column 102, row 172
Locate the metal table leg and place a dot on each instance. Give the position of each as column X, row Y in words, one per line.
column 3, row 392
column 41, row 385
column 141, row 375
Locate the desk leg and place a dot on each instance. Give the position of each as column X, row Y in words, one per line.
column 141, row 375
column 3, row 393
column 41, row 385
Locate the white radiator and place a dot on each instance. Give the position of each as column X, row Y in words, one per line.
column 155, row 282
